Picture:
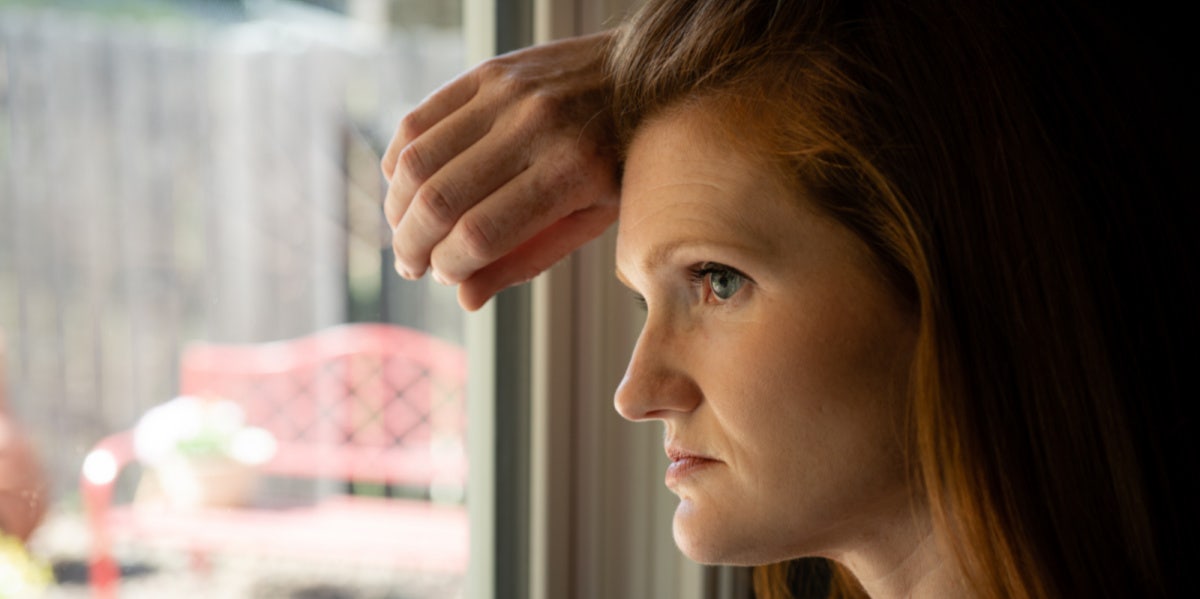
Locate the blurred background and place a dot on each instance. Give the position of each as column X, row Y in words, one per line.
column 181, row 171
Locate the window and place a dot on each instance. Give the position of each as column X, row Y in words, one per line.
column 183, row 183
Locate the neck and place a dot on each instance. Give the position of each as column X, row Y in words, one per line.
column 905, row 561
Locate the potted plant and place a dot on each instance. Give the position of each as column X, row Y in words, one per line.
column 199, row 452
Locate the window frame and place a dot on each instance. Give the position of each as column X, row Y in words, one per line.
column 566, row 499
column 600, row 515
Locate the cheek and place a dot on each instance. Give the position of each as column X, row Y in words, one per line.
column 825, row 382
column 777, row 363
column 763, row 382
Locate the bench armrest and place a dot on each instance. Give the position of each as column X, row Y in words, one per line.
column 100, row 470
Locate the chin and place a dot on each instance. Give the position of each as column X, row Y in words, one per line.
column 718, row 541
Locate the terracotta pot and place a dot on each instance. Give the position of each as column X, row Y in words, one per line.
column 209, row 481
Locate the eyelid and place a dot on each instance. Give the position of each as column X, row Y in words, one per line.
column 703, row 271
column 698, row 274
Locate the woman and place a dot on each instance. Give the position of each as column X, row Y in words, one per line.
column 944, row 245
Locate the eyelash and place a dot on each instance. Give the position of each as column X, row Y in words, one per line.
column 699, row 274
column 703, row 271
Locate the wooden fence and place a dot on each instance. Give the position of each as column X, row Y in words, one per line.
column 165, row 183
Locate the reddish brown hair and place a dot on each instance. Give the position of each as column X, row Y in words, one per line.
column 1015, row 169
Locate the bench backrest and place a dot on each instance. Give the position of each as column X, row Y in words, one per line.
column 362, row 402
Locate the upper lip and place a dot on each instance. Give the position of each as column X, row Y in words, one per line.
column 676, row 453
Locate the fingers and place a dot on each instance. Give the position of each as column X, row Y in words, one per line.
column 536, row 255
column 438, row 205
column 433, row 150
column 481, row 169
column 535, row 199
column 432, row 110
column 412, row 156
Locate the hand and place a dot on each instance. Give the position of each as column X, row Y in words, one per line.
column 505, row 170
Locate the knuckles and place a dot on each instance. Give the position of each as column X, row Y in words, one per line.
column 524, row 93
column 540, row 108
column 479, row 235
column 503, row 79
column 490, row 70
column 410, row 128
column 415, row 163
column 436, row 205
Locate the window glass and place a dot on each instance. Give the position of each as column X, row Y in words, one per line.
column 219, row 385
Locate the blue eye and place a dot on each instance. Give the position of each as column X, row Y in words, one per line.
column 722, row 281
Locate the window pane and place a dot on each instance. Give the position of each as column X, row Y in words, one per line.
column 190, row 206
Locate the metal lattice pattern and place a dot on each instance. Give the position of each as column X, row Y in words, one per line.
column 369, row 394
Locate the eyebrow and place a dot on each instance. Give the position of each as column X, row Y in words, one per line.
column 661, row 253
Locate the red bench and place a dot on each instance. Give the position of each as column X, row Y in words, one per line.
column 360, row 403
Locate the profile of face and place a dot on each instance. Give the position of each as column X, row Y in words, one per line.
column 774, row 352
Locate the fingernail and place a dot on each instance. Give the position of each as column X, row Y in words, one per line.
column 437, row 276
column 406, row 273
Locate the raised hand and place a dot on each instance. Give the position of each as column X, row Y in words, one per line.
column 505, row 170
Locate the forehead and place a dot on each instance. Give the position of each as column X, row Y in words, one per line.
column 684, row 178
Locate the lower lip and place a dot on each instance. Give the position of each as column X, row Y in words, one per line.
column 685, row 467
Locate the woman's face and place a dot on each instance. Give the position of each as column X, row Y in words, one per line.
column 773, row 351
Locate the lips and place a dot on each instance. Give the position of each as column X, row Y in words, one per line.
column 684, row 464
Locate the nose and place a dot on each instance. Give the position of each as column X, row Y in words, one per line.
column 656, row 383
